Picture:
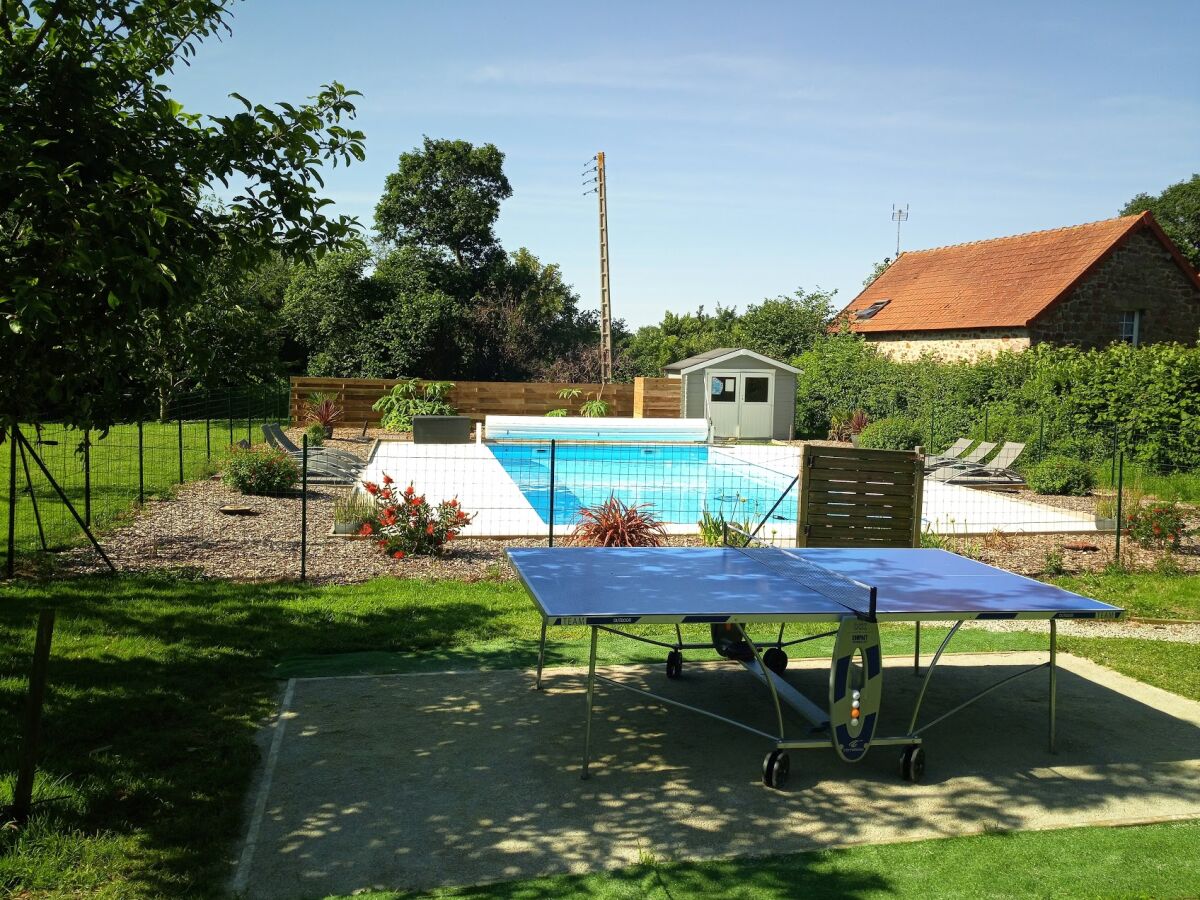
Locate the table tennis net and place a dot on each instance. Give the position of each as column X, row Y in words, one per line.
column 854, row 595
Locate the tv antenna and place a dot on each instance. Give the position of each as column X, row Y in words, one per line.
column 898, row 216
column 599, row 188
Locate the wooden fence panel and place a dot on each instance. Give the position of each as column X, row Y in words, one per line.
column 476, row 399
column 856, row 497
column 656, row 398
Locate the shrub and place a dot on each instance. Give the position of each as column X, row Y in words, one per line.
column 261, row 470
column 1061, row 475
column 1158, row 525
column 613, row 524
column 315, row 434
column 353, row 509
column 892, row 433
column 405, row 523
column 712, row 530
column 323, row 410
column 412, row 398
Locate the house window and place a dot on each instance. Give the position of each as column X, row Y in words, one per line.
column 757, row 389
column 1131, row 321
column 724, row 389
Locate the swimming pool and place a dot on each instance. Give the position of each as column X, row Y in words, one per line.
column 677, row 482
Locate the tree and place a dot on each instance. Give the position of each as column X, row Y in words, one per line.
column 103, row 175
column 227, row 337
column 1177, row 210
column 445, row 197
column 876, row 270
column 784, row 327
column 678, row 337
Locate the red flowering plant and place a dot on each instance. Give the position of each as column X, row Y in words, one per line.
column 1157, row 524
column 406, row 523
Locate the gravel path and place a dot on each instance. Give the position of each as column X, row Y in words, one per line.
column 1181, row 632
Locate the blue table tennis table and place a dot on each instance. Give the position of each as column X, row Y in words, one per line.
column 734, row 590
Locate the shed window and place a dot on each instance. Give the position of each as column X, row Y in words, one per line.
column 724, row 389
column 757, row 389
column 871, row 310
column 1130, row 325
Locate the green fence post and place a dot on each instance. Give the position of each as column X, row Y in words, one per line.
column 551, row 541
column 1120, row 490
column 207, row 425
column 931, row 408
column 141, row 466
column 179, row 424
column 87, row 476
column 229, row 410
column 985, row 421
column 304, row 507
column 10, row 566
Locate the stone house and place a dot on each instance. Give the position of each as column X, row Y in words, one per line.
column 1086, row 285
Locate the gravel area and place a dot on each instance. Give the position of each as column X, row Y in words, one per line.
column 1181, row 632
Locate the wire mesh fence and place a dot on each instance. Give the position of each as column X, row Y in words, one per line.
column 977, row 494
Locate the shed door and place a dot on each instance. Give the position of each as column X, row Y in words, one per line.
column 724, row 392
column 755, row 416
column 739, row 403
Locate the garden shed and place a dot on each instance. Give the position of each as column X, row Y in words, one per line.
column 743, row 394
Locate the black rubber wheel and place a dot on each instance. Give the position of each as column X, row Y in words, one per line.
column 912, row 763
column 674, row 664
column 775, row 769
column 775, row 660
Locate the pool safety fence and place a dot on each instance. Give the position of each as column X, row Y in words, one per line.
column 531, row 492
column 66, row 487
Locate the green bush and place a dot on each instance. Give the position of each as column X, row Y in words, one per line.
column 316, row 434
column 892, row 433
column 413, row 398
column 1061, row 475
column 261, row 470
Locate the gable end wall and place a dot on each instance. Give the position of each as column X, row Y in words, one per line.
column 1140, row 275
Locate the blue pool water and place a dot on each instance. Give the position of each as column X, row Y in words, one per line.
column 678, row 482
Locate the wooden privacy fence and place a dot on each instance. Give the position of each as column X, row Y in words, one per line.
column 851, row 497
column 476, row 399
column 656, row 398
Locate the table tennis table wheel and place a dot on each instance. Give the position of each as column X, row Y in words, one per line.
column 674, row 664
column 775, row 769
column 775, row 660
column 912, row 763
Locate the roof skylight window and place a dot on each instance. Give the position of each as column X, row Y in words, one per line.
column 871, row 310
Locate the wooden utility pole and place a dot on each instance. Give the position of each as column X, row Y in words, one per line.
column 606, row 362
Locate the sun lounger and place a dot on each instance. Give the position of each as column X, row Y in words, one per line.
column 998, row 471
column 276, row 438
column 953, row 454
column 975, row 457
column 320, row 464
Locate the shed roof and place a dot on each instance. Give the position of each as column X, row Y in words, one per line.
column 711, row 357
column 1003, row 282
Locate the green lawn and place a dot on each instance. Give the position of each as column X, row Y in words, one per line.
column 1183, row 486
column 1151, row 596
column 1148, row 861
column 114, row 473
column 157, row 683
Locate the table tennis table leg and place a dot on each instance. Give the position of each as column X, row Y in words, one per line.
column 591, row 691
column 541, row 657
column 1053, row 678
column 917, row 650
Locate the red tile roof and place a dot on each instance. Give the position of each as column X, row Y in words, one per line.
column 1004, row 282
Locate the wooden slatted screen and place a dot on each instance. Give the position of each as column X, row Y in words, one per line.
column 852, row 497
column 470, row 398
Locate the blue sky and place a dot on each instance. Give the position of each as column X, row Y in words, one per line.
column 752, row 148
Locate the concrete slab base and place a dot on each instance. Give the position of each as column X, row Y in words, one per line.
column 416, row 781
